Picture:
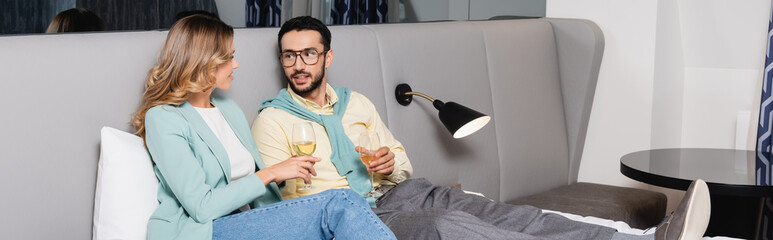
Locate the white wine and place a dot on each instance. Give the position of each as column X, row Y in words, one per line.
column 367, row 159
column 305, row 148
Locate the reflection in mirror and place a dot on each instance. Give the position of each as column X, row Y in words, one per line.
column 22, row 16
column 462, row 10
column 124, row 14
column 343, row 12
column 143, row 14
column 34, row 16
column 271, row 13
column 76, row 20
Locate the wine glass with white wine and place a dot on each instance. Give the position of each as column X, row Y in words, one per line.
column 369, row 145
column 304, row 143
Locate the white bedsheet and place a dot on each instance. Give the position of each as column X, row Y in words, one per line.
column 620, row 226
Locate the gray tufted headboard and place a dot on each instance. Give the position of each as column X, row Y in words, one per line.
column 535, row 77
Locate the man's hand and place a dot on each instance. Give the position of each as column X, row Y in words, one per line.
column 385, row 163
column 294, row 167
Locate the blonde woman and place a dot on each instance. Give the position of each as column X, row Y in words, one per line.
column 213, row 184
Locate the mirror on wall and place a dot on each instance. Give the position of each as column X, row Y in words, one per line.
column 35, row 16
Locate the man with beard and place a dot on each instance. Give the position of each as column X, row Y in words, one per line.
column 411, row 208
column 305, row 55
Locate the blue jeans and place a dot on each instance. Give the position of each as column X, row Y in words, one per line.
column 339, row 213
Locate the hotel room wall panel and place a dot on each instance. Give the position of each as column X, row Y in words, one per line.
column 446, row 61
column 60, row 89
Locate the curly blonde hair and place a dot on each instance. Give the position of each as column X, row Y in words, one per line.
column 195, row 46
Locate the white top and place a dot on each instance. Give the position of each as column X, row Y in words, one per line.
column 241, row 160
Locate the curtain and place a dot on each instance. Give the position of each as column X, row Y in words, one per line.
column 263, row 13
column 763, row 160
column 348, row 12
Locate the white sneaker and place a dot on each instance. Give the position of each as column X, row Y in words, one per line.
column 691, row 217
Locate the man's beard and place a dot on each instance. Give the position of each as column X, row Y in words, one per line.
column 315, row 82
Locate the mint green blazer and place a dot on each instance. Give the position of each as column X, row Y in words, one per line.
column 194, row 171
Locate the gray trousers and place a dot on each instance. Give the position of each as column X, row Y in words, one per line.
column 416, row 209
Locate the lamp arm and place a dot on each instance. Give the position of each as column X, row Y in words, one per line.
column 420, row 95
column 404, row 95
column 436, row 103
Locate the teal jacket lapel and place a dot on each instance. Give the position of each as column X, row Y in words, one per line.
column 235, row 118
column 200, row 126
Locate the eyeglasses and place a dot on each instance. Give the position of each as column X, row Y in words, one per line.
column 308, row 56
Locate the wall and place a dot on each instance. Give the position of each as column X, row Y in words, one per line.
column 232, row 12
column 674, row 74
column 621, row 114
column 724, row 54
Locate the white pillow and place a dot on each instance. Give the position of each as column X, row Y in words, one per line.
column 126, row 187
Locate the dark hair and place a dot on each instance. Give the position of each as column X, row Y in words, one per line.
column 305, row 23
column 76, row 20
column 183, row 14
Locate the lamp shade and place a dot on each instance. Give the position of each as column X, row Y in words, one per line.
column 460, row 120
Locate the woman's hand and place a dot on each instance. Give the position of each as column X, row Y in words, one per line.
column 294, row 167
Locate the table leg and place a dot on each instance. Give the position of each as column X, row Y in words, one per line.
column 737, row 217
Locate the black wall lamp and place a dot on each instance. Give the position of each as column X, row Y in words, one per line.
column 459, row 120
